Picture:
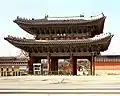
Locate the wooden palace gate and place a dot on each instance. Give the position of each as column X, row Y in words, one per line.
column 63, row 37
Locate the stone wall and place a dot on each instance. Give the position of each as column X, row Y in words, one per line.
column 107, row 72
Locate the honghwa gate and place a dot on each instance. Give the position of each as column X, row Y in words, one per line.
column 73, row 38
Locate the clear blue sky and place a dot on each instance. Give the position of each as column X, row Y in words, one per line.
column 10, row 9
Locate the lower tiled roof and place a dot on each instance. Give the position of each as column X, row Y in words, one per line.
column 15, row 40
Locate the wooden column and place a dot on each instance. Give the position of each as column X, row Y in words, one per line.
column 92, row 67
column 54, row 65
column 91, row 63
column 49, row 62
column 74, row 66
column 30, row 65
column 73, row 61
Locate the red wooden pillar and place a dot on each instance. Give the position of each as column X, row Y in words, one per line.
column 73, row 61
column 49, row 62
column 54, row 65
column 30, row 65
column 74, row 66
column 93, row 65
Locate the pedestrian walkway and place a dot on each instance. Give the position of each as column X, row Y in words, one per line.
column 59, row 82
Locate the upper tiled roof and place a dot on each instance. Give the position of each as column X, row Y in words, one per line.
column 64, row 20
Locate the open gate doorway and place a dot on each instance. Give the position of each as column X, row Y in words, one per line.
column 83, row 67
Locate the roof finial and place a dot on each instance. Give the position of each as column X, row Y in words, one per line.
column 102, row 13
column 17, row 17
column 46, row 16
column 82, row 15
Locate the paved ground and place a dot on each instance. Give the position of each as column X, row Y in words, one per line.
column 88, row 85
column 60, row 82
column 59, row 95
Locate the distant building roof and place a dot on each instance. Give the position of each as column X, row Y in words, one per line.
column 108, row 56
column 13, row 61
